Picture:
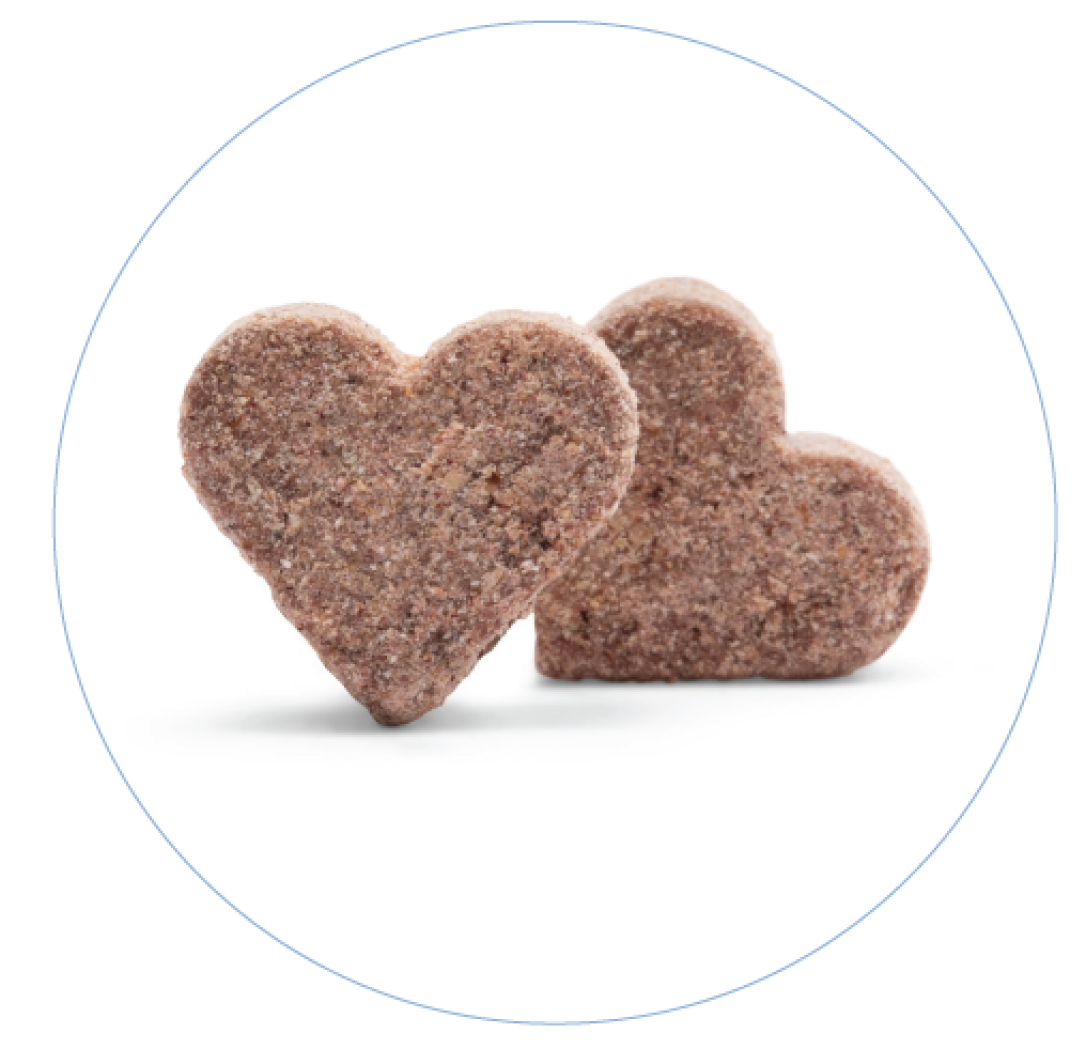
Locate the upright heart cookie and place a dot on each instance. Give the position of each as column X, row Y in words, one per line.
column 738, row 550
column 405, row 511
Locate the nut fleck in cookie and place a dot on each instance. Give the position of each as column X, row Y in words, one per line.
column 405, row 511
column 738, row 550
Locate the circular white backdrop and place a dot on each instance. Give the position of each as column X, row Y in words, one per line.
column 534, row 849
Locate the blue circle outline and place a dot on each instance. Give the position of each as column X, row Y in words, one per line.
column 1021, row 341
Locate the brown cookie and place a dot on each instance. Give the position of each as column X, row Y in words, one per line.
column 738, row 550
column 405, row 511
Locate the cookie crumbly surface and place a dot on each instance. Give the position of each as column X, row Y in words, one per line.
column 738, row 550
column 405, row 511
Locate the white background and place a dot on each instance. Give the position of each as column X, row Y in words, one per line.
column 110, row 936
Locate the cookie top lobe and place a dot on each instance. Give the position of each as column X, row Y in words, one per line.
column 700, row 361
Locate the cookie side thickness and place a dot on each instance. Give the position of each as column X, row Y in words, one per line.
column 737, row 550
column 406, row 511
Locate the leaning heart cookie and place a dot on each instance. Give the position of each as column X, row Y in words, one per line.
column 738, row 550
column 405, row 511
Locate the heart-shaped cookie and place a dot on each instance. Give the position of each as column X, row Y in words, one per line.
column 405, row 511
column 738, row 550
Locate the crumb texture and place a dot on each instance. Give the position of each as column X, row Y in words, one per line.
column 405, row 511
column 738, row 550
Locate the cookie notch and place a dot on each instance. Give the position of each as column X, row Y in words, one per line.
column 738, row 550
